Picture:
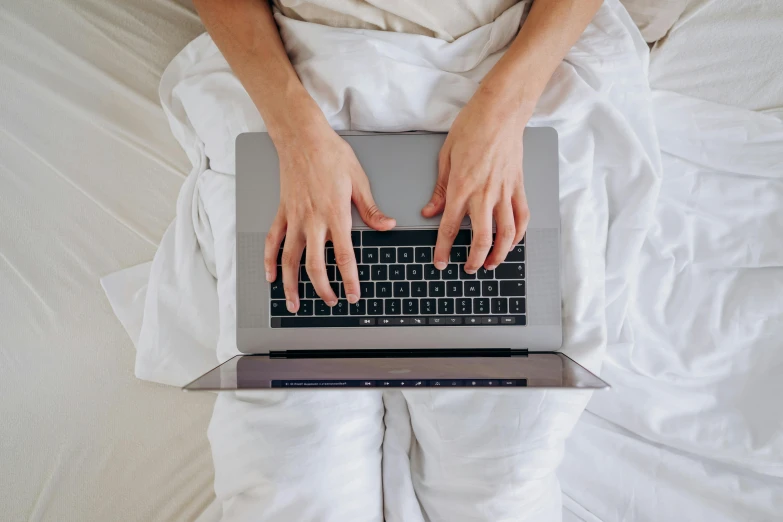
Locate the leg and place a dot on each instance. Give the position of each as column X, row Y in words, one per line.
column 490, row 455
column 303, row 456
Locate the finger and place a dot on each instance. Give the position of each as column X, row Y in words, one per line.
column 346, row 262
column 315, row 264
column 481, row 223
column 292, row 258
column 438, row 200
column 521, row 215
column 272, row 245
column 447, row 231
column 365, row 204
column 505, row 231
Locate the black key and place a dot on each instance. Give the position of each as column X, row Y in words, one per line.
column 483, row 273
column 369, row 255
column 342, row 292
column 430, row 272
column 366, row 321
column 473, row 320
column 464, row 305
column 480, row 305
column 375, row 307
column 453, row 320
column 419, row 289
column 472, row 288
column 517, row 254
column 410, row 306
column 465, row 275
column 330, row 260
column 458, row 254
column 437, row 289
column 508, row 319
column 428, row 306
column 364, row 272
column 277, row 308
column 321, row 308
column 391, row 306
column 383, row 289
column 386, row 321
column 454, row 289
column 441, row 321
column 510, row 271
column 512, row 288
column 499, row 305
column 418, row 321
column 367, row 290
column 280, row 256
column 402, row 289
column 450, row 272
column 355, row 237
column 310, row 292
column 413, row 272
column 409, row 237
column 445, row 306
column 305, row 307
column 276, row 289
column 489, row 288
column 517, row 305
column 303, row 275
column 405, row 254
column 396, row 272
column 379, row 273
column 359, row 307
column 301, row 289
column 423, row 255
column 336, row 288
column 357, row 253
column 341, row 308
column 489, row 320
column 388, row 255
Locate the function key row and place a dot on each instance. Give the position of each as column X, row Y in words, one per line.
column 352, row 322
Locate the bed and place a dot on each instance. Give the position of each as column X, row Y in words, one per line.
column 89, row 175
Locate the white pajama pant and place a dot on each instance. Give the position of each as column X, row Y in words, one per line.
column 410, row 456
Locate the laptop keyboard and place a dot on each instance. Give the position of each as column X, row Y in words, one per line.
column 401, row 287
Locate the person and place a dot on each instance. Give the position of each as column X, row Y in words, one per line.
column 465, row 469
column 480, row 167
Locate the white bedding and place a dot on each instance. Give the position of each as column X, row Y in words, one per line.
column 609, row 176
column 89, row 174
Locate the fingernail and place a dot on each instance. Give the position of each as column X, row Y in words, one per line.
column 352, row 298
column 268, row 276
column 430, row 205
column 331, row 303
column 291, row 306
column 470, row 271
column 492, row 267
column 440, row 265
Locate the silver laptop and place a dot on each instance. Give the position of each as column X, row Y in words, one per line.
column 414, row 325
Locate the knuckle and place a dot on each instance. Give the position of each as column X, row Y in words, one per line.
column 371, row 212
column 290, row 289
column 315, row 269
column 439, row 191
column 482, row 240
column 344, row 258
column 506, row 232
column 449, row 230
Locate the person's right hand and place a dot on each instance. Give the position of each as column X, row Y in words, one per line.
column 319, row 177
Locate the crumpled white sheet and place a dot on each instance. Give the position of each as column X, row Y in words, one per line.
column 600, row 103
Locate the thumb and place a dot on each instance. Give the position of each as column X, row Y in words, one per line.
column 438, row 200
column 368, row 210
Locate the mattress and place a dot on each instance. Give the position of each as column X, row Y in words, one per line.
column 89, row 174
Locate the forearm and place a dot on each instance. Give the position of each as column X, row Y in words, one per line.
column 246, row 34
column 552, row 27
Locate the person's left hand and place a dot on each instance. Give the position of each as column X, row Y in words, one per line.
column 480, row 173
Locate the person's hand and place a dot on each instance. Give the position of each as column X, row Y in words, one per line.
column 480, row 173
column 319, row 177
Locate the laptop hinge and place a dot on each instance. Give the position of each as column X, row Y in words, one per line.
column 398, row 352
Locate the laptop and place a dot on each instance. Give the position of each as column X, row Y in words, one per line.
column 414, row 326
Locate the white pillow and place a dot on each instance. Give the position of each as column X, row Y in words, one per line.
column 654, row 17
column 724, row 51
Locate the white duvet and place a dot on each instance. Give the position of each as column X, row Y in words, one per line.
column 623, row 291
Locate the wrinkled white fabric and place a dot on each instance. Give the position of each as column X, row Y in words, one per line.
column 445, row 456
